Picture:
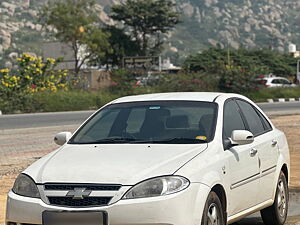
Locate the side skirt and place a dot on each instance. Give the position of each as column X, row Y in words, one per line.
column 247, row 212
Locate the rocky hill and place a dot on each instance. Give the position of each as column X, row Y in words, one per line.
column 234, row 23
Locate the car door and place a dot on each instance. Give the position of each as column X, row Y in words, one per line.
column 276, row 83
column 285, row 82
column 243, row 170
column 266, row 145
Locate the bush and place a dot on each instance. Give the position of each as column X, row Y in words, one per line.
column 237, row 80
column 71, row 101
column 34, row 75
column 123, row 82
column 186, row 82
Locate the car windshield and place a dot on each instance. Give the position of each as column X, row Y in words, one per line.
column 165, row 122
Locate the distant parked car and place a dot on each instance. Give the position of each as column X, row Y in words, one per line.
column 273, row 81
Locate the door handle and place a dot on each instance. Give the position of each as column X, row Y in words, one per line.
column 274, row 142
column 253, row 152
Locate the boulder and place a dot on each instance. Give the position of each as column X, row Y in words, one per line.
column 30, row 25
column 213, row 42
column 32, row 12
column 38, row 27
column 247, row 27
column 13, row 55
column 9, row 7
column 8, row 65
column 187, row 9
column 209, row 3
column 5, row 36
column 25, row 3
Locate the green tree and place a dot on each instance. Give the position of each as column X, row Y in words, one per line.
column 266, row 61
column 76, row 24
column 146, row 21
column 121, row 45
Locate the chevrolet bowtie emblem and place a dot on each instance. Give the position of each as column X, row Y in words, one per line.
column 79, row 193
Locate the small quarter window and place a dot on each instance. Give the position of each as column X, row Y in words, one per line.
column 253, row 119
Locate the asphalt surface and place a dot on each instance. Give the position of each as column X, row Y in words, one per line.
column 280, row 108
column 71, row 118
column 293, row 213
column 43, row 119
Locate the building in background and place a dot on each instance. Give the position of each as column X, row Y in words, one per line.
column 293, row 51
column 95, row 78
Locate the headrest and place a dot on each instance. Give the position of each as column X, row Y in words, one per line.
column 180, row 121
column 158, row 113
column 206, row 119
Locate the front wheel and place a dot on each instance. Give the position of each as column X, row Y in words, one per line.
column 276, row 214
column 213, row 213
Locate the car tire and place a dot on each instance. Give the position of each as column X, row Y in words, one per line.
column 213, row 213
column 276, row 214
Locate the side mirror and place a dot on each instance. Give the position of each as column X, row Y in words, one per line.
column 62, row 138
column 239, row 137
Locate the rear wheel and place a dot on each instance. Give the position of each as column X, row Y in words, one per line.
column 276, row 214
column 213, row 213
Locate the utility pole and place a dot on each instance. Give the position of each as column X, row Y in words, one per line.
column 298, row 71
column 228, row 52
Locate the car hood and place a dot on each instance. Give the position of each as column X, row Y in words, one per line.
column 124, row 164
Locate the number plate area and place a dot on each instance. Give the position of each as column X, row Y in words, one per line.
column 74, row 218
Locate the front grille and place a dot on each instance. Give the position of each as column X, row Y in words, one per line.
column 88, row 201
column 92, row 187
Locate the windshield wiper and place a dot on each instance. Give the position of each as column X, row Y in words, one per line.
column 137, row 141
column 108, row 141
column 173, row 141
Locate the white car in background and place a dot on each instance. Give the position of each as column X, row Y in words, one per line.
column 172, row 158
column 273, row 81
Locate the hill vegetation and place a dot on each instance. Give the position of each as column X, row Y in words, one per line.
column 244, row 23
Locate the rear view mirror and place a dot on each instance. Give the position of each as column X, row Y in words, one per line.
column 241, row 137
column 62, row 138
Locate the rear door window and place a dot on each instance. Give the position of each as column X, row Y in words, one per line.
column 284, row 81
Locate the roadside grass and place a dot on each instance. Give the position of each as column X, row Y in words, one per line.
column 71, row 100
column 273, row 93
column 77, row 100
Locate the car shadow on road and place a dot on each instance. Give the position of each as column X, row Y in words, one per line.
column 250, row 221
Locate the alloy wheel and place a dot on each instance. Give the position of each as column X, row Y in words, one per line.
column 281, row 199
column 213, row 216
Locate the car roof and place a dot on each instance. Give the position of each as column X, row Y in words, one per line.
column 272, row 78
column 183, row 96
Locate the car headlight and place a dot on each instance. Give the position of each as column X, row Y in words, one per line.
column 158, row 186
column 26, row 187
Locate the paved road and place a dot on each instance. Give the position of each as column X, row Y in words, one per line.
column 42, row 119
column 71, row 118
column 294, row 213
column 280, row 108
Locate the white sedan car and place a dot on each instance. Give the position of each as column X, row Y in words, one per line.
column 273, row 82
column 171, row 159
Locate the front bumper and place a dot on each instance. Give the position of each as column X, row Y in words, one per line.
column 182, row 208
